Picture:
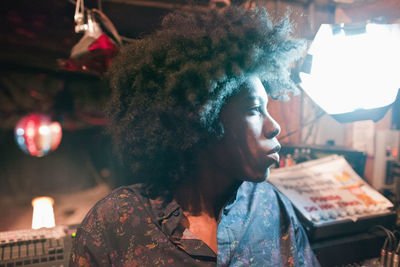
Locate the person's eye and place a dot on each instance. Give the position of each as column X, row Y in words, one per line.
column 255, row 110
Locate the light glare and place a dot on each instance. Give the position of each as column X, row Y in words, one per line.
column 20, row 131
column 44, row 129
column 43, row 214
column 354, row 71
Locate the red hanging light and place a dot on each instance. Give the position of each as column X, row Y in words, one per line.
column 37, row 135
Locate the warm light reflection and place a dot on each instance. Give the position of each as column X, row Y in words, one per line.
column 55, row 128
column 43, row 214
column 395, row 152
column 30, row 129
column 44, row 130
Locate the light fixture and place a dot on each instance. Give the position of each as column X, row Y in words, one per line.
column 37, row 135
column 99, row 44
column 43, row 213
column 351, row 70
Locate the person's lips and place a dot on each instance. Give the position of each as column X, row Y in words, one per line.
column 273, row 153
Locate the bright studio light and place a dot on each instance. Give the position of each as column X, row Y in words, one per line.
column 43, row 214
column 352, row 72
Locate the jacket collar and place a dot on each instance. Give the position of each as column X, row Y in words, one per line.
column 168, row 216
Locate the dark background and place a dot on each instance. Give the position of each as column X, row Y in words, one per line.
column 34, row 35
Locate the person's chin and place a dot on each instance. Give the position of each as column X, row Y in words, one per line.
column 258, row 178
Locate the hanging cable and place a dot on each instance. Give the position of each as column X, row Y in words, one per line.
column 79, row 16
column 389, row 248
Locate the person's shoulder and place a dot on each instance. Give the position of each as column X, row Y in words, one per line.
column 132, row 193
column 286, row 205
column 122, row 196
column 262, row 189
column 109, row 209
column 284, row 199
column 267, row 191
column 260, row 194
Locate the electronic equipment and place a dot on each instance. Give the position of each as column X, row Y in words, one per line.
column 387, row 144
column 362, row 249
column 356, row 159
column 331, row 199
column 40, row 248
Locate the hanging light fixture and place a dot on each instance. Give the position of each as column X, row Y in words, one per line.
column 37, row 135
column 93, row 53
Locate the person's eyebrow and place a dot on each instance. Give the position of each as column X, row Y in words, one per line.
column 253, row 98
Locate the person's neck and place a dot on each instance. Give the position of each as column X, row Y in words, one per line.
column 208, row 191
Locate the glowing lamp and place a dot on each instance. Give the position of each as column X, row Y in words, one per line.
column 37, row 135
column 352, row 71
column 43, row 214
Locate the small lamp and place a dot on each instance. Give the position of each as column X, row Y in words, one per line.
column 43, row 214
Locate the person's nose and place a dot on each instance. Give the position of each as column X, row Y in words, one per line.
column 271, row 128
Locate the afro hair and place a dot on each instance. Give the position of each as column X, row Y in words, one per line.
column 168, row 88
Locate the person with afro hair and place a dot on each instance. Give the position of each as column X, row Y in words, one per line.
column 188, row 115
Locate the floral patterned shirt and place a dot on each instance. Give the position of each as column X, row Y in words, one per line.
column 127, row 228
column 260, row 228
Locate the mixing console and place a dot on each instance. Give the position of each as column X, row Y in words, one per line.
column 43, row 247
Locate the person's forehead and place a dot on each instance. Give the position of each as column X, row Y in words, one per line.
column 253, row 89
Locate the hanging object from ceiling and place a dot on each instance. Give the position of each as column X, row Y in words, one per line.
column 37, row 135
column 99, row 44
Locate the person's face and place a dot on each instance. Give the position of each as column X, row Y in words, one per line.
column 249, row 144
